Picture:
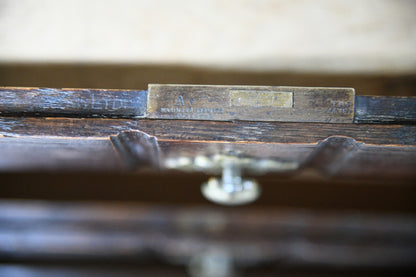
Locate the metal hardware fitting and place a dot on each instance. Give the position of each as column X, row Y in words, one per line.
column 231, row 188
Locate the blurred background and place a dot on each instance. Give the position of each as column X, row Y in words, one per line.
column 126, row 44
column 369, row 45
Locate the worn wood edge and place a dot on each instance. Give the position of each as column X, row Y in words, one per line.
column 76, row 103
column 270, row 132
column 385, row 110
column 367, row 109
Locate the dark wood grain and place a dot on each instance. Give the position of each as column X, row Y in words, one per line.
column 98, row 269
column 380, row 151
column 97, row 231
column 384, row 109
column 202, row 102
column 72, row 102
column 58, row 154
column 264, row 132
column 75, row 234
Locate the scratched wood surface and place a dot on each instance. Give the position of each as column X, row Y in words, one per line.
column 373, row 109
column 72, row 102
column 209, row 131
column 202, row 102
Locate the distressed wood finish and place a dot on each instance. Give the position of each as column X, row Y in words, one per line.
column 370, row 166
column 264, row 132
column 72, row 102
column 384, row 109
column 202, row 102
column 339, row 150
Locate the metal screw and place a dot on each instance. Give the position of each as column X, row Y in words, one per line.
column 231, row 189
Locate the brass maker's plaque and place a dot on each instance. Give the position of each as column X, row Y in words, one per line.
column 252, row 103
column 282, row 99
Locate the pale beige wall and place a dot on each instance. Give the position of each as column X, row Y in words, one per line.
column 319, row 36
